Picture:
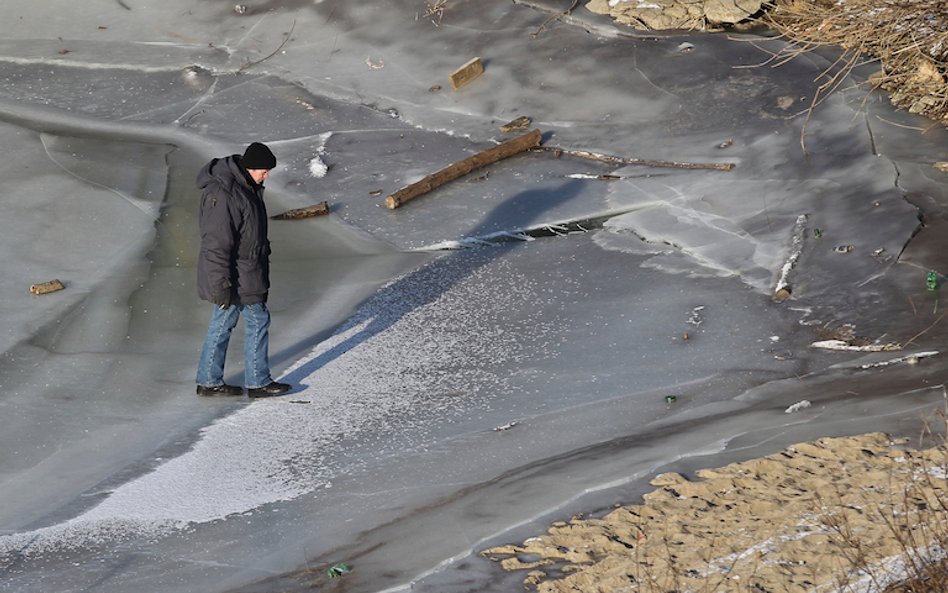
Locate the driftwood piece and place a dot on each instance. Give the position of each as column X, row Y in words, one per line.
column 616, row 160
column 783, row 290
column 46, row 287
column 466, row 73
column 461, row 168
column 520, row 123
column 320, row 209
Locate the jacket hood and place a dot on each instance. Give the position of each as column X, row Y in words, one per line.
column 224, row 172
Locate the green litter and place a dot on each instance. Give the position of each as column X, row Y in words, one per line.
column 338, row 569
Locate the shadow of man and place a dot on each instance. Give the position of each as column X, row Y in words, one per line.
column 429, row 282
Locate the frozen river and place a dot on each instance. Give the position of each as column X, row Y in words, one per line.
column 534, row 340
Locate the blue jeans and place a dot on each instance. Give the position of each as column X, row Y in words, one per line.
column 210, row 371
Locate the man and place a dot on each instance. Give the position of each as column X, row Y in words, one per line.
column 234, row 269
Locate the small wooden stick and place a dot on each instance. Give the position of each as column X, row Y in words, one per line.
column 466, row 73
column 615, row 160
column 320, row 209
column 46, row 287
column 461, row 168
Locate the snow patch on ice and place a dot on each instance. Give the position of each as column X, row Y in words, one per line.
column 800, row 405
column 317, row 167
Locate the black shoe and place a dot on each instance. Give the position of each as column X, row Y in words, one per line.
column 219, row 390
column 270, row 390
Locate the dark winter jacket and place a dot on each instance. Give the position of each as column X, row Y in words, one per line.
column 235, row 251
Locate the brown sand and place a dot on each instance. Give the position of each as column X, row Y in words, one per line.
column 809, row 518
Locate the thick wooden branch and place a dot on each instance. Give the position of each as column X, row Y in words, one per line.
column 616, row 160
column 320, row 209
column 461, row 168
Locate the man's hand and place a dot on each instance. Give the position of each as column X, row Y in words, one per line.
column 222, row 299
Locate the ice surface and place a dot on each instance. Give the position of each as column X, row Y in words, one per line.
column 533, row 294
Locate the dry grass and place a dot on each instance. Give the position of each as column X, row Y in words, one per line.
column 908, row 38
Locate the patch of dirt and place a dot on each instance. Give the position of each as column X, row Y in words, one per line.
column 815, row 516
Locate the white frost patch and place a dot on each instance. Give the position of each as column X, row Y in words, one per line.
column 318, row 168
column 430, row 346
column 800, row 405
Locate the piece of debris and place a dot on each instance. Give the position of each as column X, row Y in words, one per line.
column 300, row 401
column 240, row 8
column 909, row 359
column 520, row 123
column 434, row 88
column 320, row 209
column 616, row 160
column 374, row 65
column 695, row 318
column 783, row 289
column 463, row 167
column 436, row 8
column 604, row 177
column 844, row 248
column 941, row 166
column 375, row 192
column 931, row 280
column 507, row 426
column 684, row 48
column 338, row 569
column 844, row 346
column 726, row 143
column 305, row 104
column 618, row 540
column 800, row 405
column 47, row 287
column 670, row 399
column 817, row 233
column 466, row 73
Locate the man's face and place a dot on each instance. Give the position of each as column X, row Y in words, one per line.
column 258, row 175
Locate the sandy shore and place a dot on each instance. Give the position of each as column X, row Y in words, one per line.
column 813, row 517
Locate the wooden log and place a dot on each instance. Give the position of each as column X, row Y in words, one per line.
column 463, row 167
column 46, row 287
column 466, row 73
column 320, row 209
column 616, row 160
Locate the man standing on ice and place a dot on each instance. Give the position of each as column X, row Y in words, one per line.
column 234, row 269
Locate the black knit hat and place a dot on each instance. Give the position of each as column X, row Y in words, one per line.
column 258, row 156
